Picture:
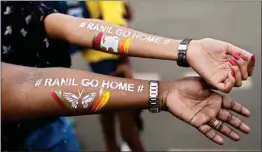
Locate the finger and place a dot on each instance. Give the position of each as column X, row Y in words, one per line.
column 227, row 131
column 210, row 133
column 242, row 66
column 251, row 65
column 230, row 104
column 232, row 120
column 231, row 49
column 226, row 82
column 236, row 72
column 229, row 82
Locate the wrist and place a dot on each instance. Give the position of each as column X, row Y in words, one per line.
column 185, row 52
column 192, row 47
column 163, row 92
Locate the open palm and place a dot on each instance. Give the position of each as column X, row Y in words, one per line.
column 193, row 102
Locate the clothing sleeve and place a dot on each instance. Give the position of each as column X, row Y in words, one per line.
column 22, row 20
column 38, row 12
column 28, row 15
column 24, row 35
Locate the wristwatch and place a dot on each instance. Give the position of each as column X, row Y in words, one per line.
column 182, row 51
column 153, row 96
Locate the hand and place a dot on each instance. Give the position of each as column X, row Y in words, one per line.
column 208, row 57
column 191, row 100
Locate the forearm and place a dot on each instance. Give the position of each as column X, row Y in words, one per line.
column 80, row 31
column 46, row 92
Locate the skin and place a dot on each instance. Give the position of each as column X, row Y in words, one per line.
column 208, row 57
column 189, row 99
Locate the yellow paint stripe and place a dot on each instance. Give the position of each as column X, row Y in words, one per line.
column 104, row 101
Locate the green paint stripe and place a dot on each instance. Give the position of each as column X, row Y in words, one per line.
column 59, row 94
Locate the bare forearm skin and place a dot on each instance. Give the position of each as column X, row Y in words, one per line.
column 23, row 98
column 80, row 31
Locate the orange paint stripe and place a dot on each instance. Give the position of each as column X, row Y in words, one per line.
column 122, row 43
column 104, row 101
column 119, row 45
column 97, row 103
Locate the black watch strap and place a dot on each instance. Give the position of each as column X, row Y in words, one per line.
column 153, row 96
column 182, row 51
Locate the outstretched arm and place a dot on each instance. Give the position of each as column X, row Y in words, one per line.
column 50, row 92
column 43, row 92
column 81, row 31
column 208, row 57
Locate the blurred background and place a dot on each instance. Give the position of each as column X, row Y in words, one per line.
column 238, row 22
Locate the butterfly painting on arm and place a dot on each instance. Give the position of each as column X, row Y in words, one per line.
column 87, row 99
column 72, row 98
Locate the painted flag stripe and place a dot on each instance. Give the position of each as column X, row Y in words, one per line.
column 57, row 99
column 104, row 101
column 97, row 102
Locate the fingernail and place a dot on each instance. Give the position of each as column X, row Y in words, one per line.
column 232, row 62
column 246, row 112
column 220, row 140
column 253, row 57
column 245, row 128
column 236, row 56
column 235, row 136
column 233, row 73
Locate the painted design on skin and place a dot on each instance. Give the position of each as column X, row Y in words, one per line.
column 97, row 40
column 58, row 96
column 61, row 97
column 72, row 98
column 87, row 99
column 124, row 46
column 102, row 100
column 110, row 43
